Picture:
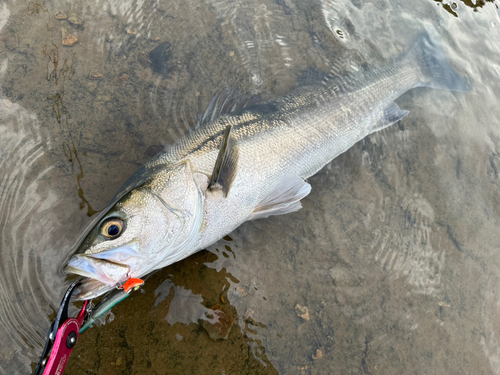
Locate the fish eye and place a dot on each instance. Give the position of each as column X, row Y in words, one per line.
column 112, row 228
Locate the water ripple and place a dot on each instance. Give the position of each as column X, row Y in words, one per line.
column 23, row 210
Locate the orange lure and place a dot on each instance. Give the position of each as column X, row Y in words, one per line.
column 132, row 284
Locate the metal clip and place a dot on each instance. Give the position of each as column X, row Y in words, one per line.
column 61, row 338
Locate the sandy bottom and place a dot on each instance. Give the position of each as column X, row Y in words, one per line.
column 392, row 265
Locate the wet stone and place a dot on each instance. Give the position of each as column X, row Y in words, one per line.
column 95, row 76
column 242, row 291
column 159, row 58
column 68, row 39
column 249, row 313
column 144, row 59
column 318, row 355
column 75, row 20
column 218, row 324
column 60, row 15
column 302, row 312
column 344, row 277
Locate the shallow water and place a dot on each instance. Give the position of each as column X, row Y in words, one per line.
column 392, row 266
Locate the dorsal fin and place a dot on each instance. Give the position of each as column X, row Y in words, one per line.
column 225, row 165
column 228, row 101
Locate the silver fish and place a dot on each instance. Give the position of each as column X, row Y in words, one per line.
column 246, row 165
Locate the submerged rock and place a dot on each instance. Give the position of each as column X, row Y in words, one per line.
column 144, row 59
column 318, row 355
column 218, row 324
column 302, row 311
column 95, row 76
column 160, row 57
column 60, row 15
column 68, row 39
column 75, row 20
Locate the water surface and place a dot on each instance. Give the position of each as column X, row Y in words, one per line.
column 391, row 267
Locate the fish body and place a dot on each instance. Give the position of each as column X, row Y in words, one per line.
column 247, row 165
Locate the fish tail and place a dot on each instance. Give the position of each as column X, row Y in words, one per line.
column 436, row 72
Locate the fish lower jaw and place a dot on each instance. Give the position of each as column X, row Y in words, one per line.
column 92, row 288
column 107, row 273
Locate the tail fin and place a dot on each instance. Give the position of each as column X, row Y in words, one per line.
column 437, row 73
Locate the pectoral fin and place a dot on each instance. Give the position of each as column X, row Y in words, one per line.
column 225, row 165
column 284, row 199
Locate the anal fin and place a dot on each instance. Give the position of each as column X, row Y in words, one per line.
column 284, row 199
column 225, row 165
column 391, row 115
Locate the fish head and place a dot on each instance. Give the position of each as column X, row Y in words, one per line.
column 152, row 226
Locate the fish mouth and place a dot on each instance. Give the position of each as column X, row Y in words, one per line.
column 102, row 275
column 104, row 270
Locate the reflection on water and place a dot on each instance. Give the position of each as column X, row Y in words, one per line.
column 391, row 266
column 452, row 6
column 172, row 333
